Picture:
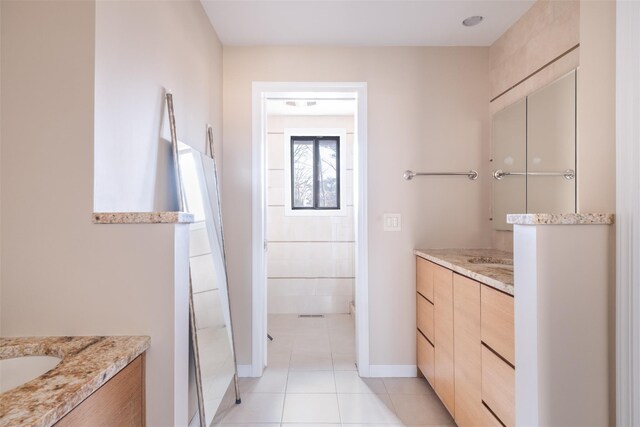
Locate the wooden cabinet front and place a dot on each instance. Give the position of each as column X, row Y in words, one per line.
column 424, row 278
column 497, row 323
column 498, row 387
column 467, row 351
column 119, row 402
column 443, row 335
column 426, row 357
column 424, row 310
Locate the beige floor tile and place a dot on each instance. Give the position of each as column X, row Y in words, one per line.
column 417, row 409
column 256, row 408
column 407, row 386
column 344, row 362
column 350, row 382
column 273, row 380
column 366, row 408
column 371, row 425
column 303, row 361
column 311, row 382
column 311, row 408
column 309, row 425
column 249, row 425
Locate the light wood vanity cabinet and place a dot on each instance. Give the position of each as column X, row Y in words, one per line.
column 470, row 360
column 424, row 278
column 497, row 323
column 467, row 360
column 119, row 402
column 443, row 344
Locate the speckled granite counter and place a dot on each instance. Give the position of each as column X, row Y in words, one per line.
column 142, row 217
column 87, row 363
column 561, row 219
column 489, row 266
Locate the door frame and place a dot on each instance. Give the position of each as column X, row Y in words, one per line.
column 261, row 92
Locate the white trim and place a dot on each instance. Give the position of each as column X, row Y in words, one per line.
column 245, row 371
column 627, row 214
column 278, row 90
column 387, row 371
column 258, row 237
column 340, row 133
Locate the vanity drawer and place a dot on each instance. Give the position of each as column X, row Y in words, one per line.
column 496, row 318
column 426, row 357
column 488, row 419
column 424, row 310
column 498, row 387
column 424, row 278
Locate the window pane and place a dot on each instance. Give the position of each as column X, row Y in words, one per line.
column 302, row 174
column 328, row 174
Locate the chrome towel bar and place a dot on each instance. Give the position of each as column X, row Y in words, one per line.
column 409, row 175
column 568, row 174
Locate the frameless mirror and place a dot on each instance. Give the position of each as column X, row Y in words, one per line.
column 509, row 153
column 551, row 147
column 212, row 334
column 534, row 153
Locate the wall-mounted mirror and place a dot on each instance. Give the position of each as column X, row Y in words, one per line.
column 212, row 334
column 534, row 153
column 509, row 153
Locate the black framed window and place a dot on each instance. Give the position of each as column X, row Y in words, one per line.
column 315, row 172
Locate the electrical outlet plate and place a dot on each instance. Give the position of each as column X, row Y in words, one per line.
column 392, row 222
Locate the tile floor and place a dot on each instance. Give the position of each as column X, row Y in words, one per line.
column 311, row 380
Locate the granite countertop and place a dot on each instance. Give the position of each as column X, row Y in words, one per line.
column 142, row 217
column 497, row 274
column 561, row 219
column 87, row 363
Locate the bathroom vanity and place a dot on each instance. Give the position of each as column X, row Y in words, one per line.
column 465, row 332
column 98, row 381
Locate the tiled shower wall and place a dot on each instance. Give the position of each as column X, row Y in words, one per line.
column 310, row 261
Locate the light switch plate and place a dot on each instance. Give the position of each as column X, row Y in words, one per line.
column 392, row 222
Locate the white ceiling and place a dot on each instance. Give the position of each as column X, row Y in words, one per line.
column 361, row 22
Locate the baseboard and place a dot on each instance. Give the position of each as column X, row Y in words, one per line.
column 245, row 371
column 393, row 371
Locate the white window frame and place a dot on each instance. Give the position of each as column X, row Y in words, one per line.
column 336, row 132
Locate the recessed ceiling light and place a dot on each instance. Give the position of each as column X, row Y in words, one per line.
column 473, row 20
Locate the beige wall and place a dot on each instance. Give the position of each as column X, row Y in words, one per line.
column 596, row 107
column 142, row 49
column 310, row 262
column 64, row 275
column 547, row 30
column 427, row 110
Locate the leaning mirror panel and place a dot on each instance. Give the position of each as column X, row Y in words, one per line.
column 211, row 321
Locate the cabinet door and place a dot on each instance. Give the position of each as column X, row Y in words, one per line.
column 119, row 402
column 443, row 323
column 424, row 278
column 424, row 311
column 498, row 387
column 498, row 323
column 425, row 357
column 467, row 351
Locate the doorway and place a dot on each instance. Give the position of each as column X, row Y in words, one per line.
column 309, row 221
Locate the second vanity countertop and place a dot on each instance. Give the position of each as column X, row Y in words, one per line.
column 87, row 364
column 492, row 267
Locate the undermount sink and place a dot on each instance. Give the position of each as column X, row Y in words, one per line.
column 492, row 261
column 19, row 370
